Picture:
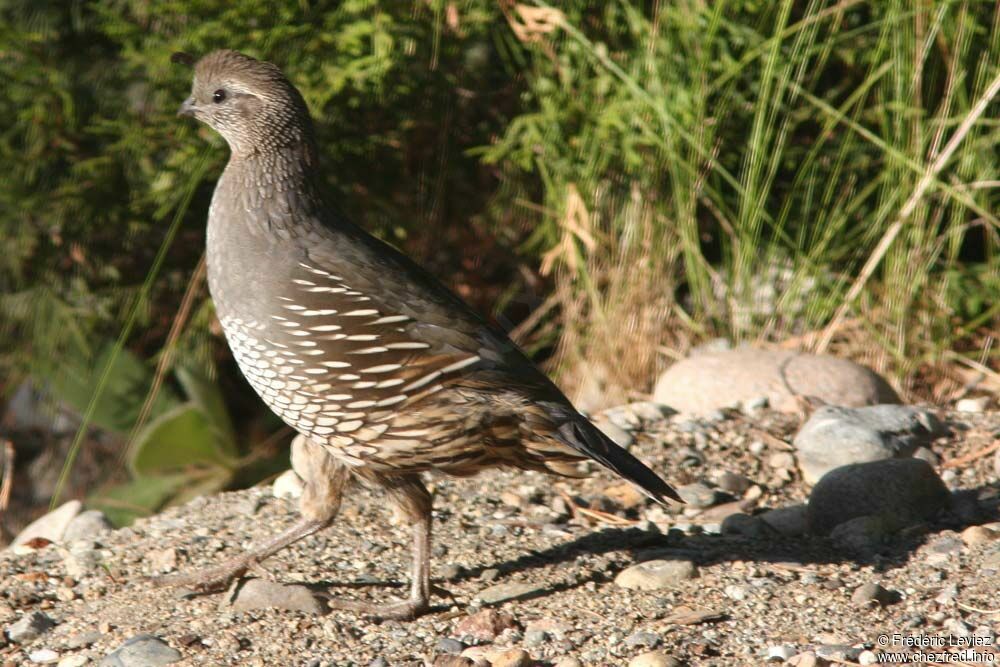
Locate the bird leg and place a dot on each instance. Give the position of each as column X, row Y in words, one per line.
column 411, row 497
column 319, row 505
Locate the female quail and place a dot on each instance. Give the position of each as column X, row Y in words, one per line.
column 383, row 371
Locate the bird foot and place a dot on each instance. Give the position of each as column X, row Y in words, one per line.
column 210, row 580
column 404, row 610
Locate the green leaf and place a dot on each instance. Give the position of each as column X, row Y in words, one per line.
column 179, row 439
column 128, row 382
column 123, row 503
column 205, row 394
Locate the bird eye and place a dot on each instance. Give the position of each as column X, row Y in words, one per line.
column 218, row 96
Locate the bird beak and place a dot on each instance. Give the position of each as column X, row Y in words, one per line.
column 187, row 108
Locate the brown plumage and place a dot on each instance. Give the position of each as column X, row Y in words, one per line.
column 384, row 372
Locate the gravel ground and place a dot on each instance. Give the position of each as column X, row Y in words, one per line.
column 555, row 548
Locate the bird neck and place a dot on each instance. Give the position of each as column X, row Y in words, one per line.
column 278, row 188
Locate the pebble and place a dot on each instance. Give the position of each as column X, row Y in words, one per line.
column 780, row 652
column 485, row 625
column 512, row 658
column 162, row 560
column 900, row 491
column 804, row 659
column 29, row 627
column 698, row 495
column 654, row 659
column 781, row 461
column 745, row 525
column 51, row 526
column 567, row 662
column 873, row 593
column 87, row 525
column 287, row 485
column 620, row 436
column 265, row 594
column 77, row 660
column 836, row 436
column 142, row 651
column 867, row 657
column 643, row 639
column 81, row 559
column 656, row 574
column 973, row 405
column 732, row 482
column 449, row 645
column 505, row 592
column 43, row 656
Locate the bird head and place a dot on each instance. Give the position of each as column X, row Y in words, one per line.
column 248, row 101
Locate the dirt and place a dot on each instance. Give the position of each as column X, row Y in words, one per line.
column 562, row 543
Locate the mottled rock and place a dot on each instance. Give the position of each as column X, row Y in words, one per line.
column 43, row 656
column 264, row 594
column 51, row 526
column 142, row 651
column 656, row 574
column 861, row 536
column 780, row 652
column 449, row 645
column 713, row 380
column 973, row 405
column 900, row 491
column 698, row 495
column 836, row 436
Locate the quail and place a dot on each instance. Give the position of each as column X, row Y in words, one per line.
column 384, row 372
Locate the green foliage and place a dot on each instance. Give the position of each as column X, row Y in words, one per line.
column 685, row 168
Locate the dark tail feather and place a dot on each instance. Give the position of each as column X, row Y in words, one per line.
column 587, row 439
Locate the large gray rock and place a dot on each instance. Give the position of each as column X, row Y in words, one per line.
column 898, row 492
column 713, row 380
column 142, row 651
column 264, row 594
column 835, row 436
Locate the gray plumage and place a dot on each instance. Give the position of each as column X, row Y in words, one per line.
column 379, row 366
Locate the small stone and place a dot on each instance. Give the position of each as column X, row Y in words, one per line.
column 379, row 662
column 780, row 652
column 506, row 592
column 976, row 535
column 972, row 405
column 733, row 483
column 87, row 525
column 287, row 485
column 734, row 592
column 264, row 594
column 654, row 659
column 447, row 660
column 81, row 560
column 872, row 593
column 698, row 495
column 535, row 637
column 867, row 657
column 789, row 521
column 83, row 639
column 625, row 495
column 449, row 645
column 484, row 625
column 567, row 662
column 900, row 491
column 142, row 651
column 512, row 658
column 656, row 574
column 781, row 461
column 51, row 526
column 29, row 627
column 162, row 560
column 77, row 660
column 43, row 656
column 643, row 639
column 805, row 659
